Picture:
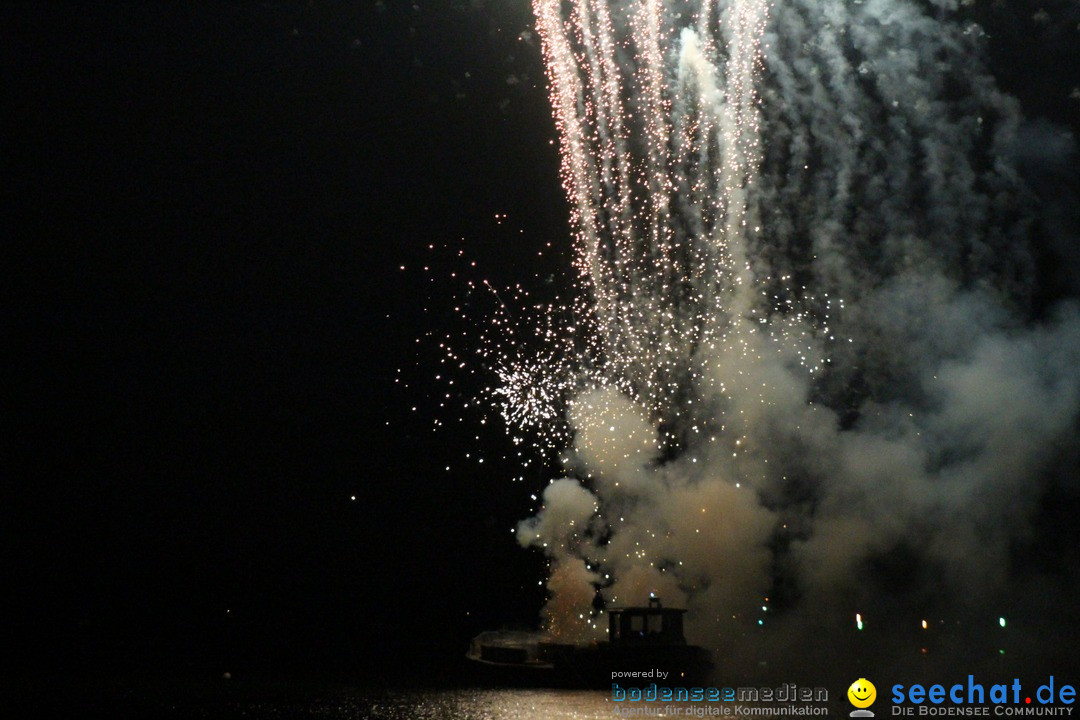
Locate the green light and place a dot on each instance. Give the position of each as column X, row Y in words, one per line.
column 859, row 625
column 1001, row 652
column 1001, row 621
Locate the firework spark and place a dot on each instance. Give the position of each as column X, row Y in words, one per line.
column 800, row 260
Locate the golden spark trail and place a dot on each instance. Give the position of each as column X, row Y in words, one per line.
column 658, row 157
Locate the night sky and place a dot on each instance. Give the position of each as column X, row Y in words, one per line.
column 206, row 213
column 206, row 209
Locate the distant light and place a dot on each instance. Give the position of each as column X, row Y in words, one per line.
column 923, row 624
column 1001, row 621
column 353, row 498
column 858, row 621
column 760, row 622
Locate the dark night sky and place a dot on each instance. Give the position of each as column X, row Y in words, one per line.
column 205, row 209
column 205, row 213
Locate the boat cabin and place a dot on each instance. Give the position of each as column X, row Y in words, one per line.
column 652, row 625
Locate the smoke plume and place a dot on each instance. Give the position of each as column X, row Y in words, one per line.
column 816, row 383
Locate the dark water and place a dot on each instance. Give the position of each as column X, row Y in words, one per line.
column 284, row 700
column 464, row 704
column 280, row 701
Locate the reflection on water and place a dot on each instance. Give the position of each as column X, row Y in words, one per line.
column 470, row 704
column 285, row 700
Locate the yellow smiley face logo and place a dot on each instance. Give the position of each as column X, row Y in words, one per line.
column 862, row 693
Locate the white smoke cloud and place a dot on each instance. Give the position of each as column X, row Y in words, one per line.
column 893, row 458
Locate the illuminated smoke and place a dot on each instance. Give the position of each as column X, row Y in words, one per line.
column 798, row 381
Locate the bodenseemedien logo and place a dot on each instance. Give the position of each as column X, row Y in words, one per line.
column 862, row 694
